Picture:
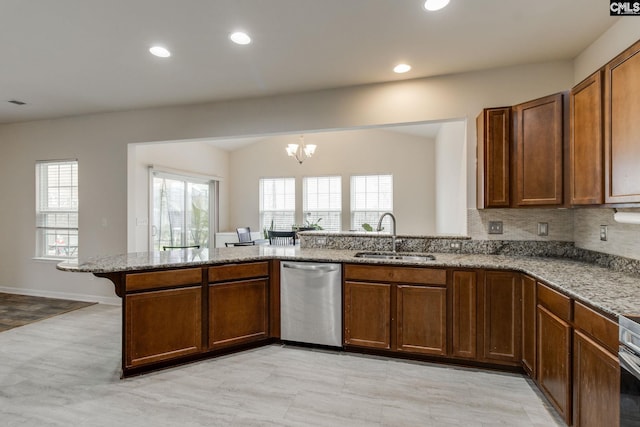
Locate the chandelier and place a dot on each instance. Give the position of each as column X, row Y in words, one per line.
column 301, row 152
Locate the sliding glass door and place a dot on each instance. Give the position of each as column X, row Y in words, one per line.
column 180, row 210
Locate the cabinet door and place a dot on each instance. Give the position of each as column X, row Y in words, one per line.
column 529, row 325
column 586, row 142
column 463, row 314
column 367, row 314
column 501, row 314
column 596, row 384
column 162, row 325
column 539, row 151
column 422, row 319
column 554, row 361
column 622, row 127
column 493, row 128
column 238, row 312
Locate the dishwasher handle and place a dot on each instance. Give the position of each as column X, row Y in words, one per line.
column 311, row 267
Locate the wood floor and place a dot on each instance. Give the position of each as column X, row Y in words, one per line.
column 18, row 310
column 64, row 371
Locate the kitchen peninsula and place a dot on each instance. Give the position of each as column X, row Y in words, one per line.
column 538, row 315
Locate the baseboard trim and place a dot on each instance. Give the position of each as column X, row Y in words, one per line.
column 62, row 295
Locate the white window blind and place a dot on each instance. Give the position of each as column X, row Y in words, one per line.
column 322, row 201
column 277, row 203
column 371, row 196
column 57, row 209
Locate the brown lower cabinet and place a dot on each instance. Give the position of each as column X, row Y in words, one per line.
column 162, row 325
column 501, row 308
column 487, row 316
column 367, row 314
column 402, row 309
column 464, row 319
column 554, row 349
column 162, row 316
column 238, row 312
column 183, row 313
column 596, row 383
column 529, row 303
column 422, row 319
column 596, row 370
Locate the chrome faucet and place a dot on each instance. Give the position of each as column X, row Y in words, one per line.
column 393, row 235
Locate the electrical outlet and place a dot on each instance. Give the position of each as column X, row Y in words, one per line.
column 455, row 245
column 543, row 229
column 603, row 233
column 495, row 227
column 321, row 240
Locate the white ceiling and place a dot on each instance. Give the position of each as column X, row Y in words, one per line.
column 70, row 57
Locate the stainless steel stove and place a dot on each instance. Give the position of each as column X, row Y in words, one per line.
column 629, row 355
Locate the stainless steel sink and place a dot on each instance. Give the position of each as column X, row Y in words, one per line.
column 398, row 256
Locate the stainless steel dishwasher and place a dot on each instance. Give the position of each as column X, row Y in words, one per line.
column 311, row 303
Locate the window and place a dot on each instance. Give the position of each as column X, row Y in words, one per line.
column 180, row 211
column 277, row 203
column 57, row 209
column 322, row 202
column 371, row 196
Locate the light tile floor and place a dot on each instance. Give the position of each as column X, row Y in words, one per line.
column 64, row 371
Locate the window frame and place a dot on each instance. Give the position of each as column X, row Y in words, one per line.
column 286, row 212
column 44, row 213
column 308, row 214
column 372, row 213
column 185, row 178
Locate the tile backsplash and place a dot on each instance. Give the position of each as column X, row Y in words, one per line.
column 623, row 239
column 521, row 224
column 579, row 225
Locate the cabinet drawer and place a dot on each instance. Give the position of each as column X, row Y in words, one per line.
column 376, row 273
column 163, row 279
column 238, row 271
column 558, row 304
column 598, row 326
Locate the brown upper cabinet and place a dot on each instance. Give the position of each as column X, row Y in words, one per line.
column 521, row 152
column 557, row 152
column 493, row 126
column 586, row 142
column 622, row 127
column 538, row 151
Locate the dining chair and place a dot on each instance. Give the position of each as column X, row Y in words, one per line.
column 282, row 237
column 244, row 238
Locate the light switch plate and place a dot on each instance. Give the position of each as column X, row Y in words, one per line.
column 543, row 229
column 603, row 233
column 495, row 227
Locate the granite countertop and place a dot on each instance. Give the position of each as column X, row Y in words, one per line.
column 611, row 291
column 379, row 234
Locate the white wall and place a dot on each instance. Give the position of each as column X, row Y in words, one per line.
column 451, row 179
column 619, row 37
column 100, row 143
column 365, row 151
column 199, row 158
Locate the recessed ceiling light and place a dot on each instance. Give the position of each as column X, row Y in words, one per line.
column 160, row 51
column 433, row 5
column 240, row 38
column 401, row 68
